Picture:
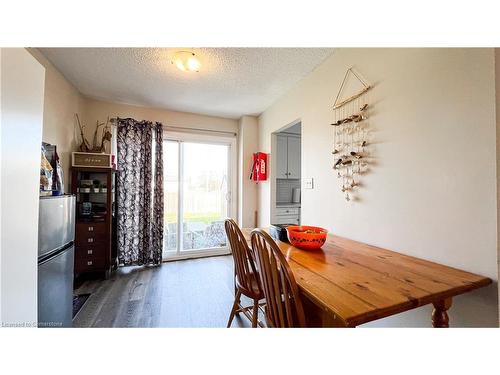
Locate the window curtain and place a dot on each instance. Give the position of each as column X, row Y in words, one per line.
column 139, row 192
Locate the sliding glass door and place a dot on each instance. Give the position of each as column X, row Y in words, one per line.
column 170, row 196
column 198, row 182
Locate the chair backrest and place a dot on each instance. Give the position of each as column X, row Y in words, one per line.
column 244, row 264
column 283, row 305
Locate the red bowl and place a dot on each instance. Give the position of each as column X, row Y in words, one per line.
column 306, row 237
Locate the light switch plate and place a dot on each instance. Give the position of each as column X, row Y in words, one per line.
column 308, row 183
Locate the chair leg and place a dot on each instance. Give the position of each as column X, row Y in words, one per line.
column 255, row 314
column 235, row 307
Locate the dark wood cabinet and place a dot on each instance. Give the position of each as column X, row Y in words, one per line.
column 95, row 234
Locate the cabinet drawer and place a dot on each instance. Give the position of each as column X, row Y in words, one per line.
column 90, row 251
column 287, row 219
column 90, row 239
column 88, row 264
column 90, row 233
column 90, row 228
column 287, row 211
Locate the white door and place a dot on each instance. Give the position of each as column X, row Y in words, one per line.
column 293, row 155
column 281, row 157
column 198, row 181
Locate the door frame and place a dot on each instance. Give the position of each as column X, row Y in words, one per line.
column 196, row 137
column 273, row 162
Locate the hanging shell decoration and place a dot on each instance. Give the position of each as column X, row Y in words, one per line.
column 350, row 133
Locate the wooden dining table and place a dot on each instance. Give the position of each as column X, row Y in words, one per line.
column 347, row 283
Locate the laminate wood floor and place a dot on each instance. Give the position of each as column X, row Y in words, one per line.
column 186, row 293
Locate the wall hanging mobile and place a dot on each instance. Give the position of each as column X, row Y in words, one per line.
column 350, row 132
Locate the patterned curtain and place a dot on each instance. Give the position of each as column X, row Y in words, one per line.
column 139, row 192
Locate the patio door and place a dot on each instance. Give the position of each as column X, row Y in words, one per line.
column 199, row 179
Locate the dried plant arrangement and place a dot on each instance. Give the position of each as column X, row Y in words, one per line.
column 97, row 146
column 350, row 133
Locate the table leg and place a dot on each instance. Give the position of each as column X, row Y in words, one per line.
column 440, row 317
column 317, row 317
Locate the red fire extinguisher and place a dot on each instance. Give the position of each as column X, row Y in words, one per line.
column 259, row 167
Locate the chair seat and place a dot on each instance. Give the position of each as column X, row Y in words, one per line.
column 254, row 292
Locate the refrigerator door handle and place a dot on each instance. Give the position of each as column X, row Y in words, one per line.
column 53, row 254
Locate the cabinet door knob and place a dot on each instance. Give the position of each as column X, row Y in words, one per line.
column 89, row 252
column 91, row 229
column 90, row 240
column 89, row 263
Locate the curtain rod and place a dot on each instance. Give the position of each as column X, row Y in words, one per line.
column 181, row 128
column 199, row 129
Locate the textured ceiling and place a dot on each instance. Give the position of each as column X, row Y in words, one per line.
column 232, row 81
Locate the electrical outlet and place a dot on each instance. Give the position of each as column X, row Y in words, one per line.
column 308, row 183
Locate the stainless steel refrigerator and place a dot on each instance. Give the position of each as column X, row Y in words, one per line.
column 56, row 233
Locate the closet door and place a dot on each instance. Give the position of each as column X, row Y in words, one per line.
column 293, row 153
column 281, row 157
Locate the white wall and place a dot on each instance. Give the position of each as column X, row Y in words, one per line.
column 61, row 101
column 431, row 192
column 22, row 88
column 247, row 192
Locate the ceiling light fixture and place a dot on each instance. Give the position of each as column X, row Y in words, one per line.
column 186, row 61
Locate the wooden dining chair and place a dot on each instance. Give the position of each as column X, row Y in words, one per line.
column 283, row 305
column 246, row 278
